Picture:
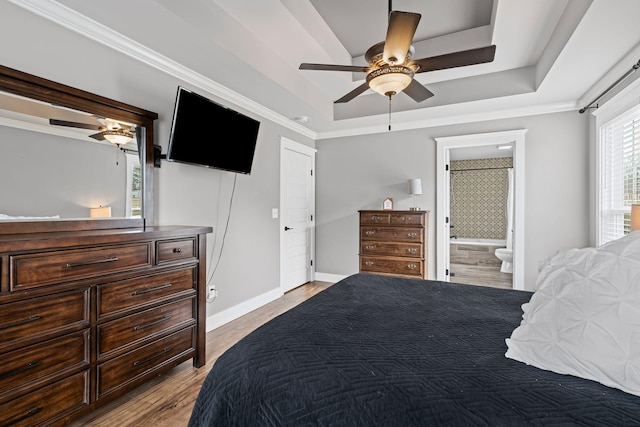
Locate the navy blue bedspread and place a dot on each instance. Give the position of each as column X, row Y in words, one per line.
column 375, row 350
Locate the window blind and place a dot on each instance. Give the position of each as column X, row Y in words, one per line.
column 619, row 173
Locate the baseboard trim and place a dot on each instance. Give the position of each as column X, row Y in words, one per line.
column 216, row 320
column 327, row 277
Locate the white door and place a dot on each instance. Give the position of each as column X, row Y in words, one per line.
column 297, row 195
column 446, row 249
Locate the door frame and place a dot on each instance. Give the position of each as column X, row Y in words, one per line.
column 288, row 144
column 443, row 145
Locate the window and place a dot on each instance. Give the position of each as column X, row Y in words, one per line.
column 619, row 173
column 134, row 187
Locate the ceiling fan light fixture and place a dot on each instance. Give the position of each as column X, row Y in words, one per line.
column 118, row 136
column 390, row 80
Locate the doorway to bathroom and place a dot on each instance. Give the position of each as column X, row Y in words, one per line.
column 480, row 222
column 468, row 164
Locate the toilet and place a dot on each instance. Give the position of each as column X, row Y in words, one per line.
column 506, row 256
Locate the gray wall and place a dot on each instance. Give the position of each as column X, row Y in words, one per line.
column 249, row 265
column 352, row 173
column 47, row 175
column 359, row 172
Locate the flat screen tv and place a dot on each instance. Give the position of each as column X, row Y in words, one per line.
column 205, row 133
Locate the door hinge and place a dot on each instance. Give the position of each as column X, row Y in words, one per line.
column 446, row 167
column 446, row 273
column 446, row 220
column 311, row 218
column 311, row 171
column 311, row 263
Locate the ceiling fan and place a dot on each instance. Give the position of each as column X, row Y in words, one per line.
column 116, row 132
column 391, row 68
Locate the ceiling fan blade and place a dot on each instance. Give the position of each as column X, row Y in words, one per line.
column 417, row 91
column 329, row 67
column 357, row 91
column 402, row 27
column 99, row 136
column 75, row 124
column 456, row 59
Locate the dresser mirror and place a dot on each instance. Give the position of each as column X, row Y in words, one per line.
column 70, row 156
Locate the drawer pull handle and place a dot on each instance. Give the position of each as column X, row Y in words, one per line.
column 370, row 232
column 164, row 319
column 17, row 371
column 411, row 250
column 30, row 413
column 412, row 266
column 21, row 322
column 143, row 361
column 368, row 263
column 98, row 261
column 177, row 250
column 147, row 290
column 412, row 234
column 370, row 247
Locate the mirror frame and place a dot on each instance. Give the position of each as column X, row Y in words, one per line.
column 41, row 89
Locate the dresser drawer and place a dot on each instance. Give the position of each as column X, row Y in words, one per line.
column 406, row 219
column 136, row 364
column 38, row 318
column 54, row 358
column 145, row 325
column 175, row 250
column 389, row 265
column 375, row 218
column 45, row 404
column 394, row 234
column 33, row 270
column 146, row 290
column 392, row 249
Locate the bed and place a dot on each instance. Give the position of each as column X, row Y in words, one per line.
column 389, row 351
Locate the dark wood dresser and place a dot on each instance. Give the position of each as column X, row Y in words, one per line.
column 87, row 315
column 394, row 242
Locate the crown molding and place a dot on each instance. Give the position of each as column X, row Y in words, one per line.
column 87, row 27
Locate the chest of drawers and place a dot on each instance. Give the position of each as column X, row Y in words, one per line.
column 393, row 242
column 86, row 316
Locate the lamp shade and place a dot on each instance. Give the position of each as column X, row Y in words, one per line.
column 100, row 212
column 415, row 186
column 635, row 217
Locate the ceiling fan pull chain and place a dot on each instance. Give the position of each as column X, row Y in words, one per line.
column 389, row 113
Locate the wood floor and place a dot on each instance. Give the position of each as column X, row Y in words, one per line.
column 167, row 400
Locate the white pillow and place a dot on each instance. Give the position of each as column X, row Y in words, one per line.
column 584, row 319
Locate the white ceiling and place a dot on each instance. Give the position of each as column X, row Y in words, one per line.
column 551, row 55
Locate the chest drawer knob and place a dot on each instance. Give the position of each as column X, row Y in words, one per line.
column 20, row 322
column 177, row 250
column 147, row 290
column 98, row 261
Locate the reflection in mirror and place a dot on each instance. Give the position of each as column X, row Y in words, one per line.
column 61, row 163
